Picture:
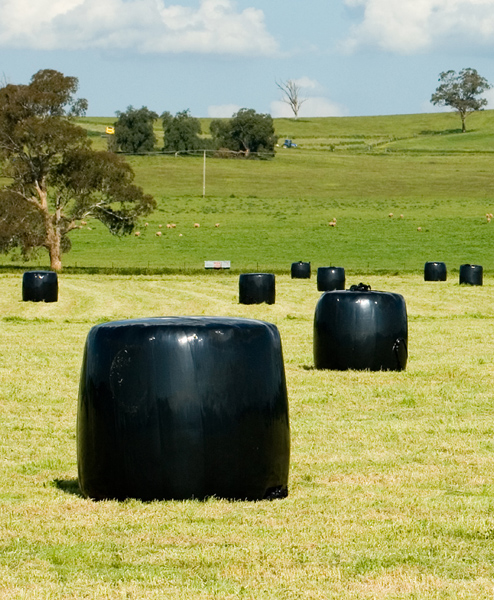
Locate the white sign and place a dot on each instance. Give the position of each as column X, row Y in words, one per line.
column 216, row 264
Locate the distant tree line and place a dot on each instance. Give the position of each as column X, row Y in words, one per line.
column 246, row 134
column 249, row 133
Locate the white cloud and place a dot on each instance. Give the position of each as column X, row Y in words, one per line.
column 223, row 111
column 306, row 83
column 143, row 25
column 312, row 107
column 489, row 96
column 410, row 26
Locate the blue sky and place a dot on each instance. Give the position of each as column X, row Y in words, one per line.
column 350, row 57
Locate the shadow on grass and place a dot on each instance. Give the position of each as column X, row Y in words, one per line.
column 69, row 486
column 439, row 132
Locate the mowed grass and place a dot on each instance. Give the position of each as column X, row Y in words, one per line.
column 391, row 489
column 274, row 212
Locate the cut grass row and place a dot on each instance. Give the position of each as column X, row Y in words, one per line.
column 391, row 486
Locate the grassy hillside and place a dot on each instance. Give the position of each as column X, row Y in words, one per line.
column 271, row 213
column 359, row 133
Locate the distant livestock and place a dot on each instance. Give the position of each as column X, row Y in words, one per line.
column 196, row 225
column 158, row 233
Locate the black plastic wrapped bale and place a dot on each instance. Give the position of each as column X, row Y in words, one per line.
column 471, row 274
column 330, row 278
column 40, row 286
column 182, row 408
column 435, row 271
column 256, row 288
column 360, row 329
column 300, row 270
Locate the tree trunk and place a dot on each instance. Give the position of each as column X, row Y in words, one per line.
column 463, row 127
column 53, row 244
column 55, row 258
column 53, row 239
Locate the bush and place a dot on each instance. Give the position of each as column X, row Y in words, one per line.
column 181, row 132
column 247, row 132
column 134, row 130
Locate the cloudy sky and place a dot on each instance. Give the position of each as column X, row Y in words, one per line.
column 350, row 57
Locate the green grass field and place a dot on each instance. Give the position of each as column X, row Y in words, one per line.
column 273, row 212
column 391, row 489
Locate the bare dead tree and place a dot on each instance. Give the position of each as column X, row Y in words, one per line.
column 291, row 95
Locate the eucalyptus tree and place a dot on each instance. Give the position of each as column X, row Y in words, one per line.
column 53, row 178
column 134, row 131
column 246, row 132
column 181, row 132
column 461, row 91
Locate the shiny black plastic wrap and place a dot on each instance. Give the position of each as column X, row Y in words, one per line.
column 256, row 288
column 361, row 329
column 330, row 278
column 300, row 270
column 471, row 274
column 40, row 286
column 435, row 271
column 182, row 408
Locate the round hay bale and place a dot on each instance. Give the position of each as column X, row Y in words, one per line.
column 471, row 274
column 256, row 288
column 300, row 270
column 183, row 407
column 360, row 329
column 330, row 278
column 40, row 286
column 435, row 271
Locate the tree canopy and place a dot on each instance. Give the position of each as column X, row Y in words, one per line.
column 181, row 132
column 54, row 177
column 134, row 130
column 247, row 131
column 461, row 92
